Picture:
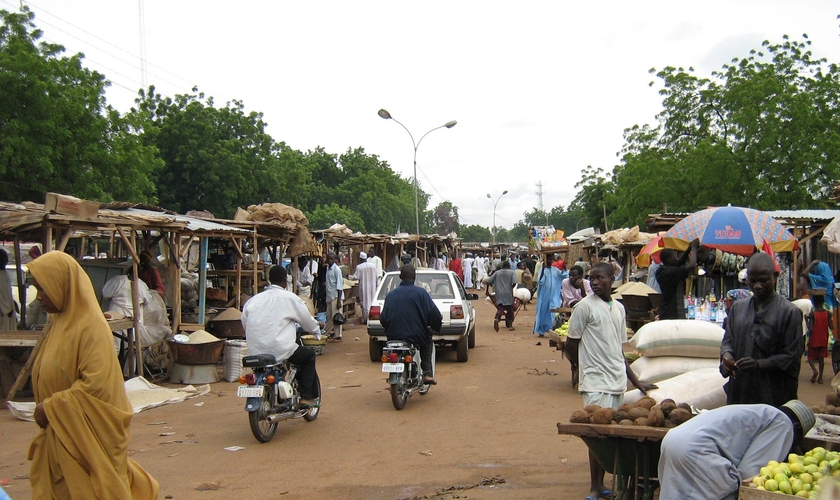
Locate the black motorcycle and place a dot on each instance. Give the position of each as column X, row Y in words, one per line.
column 272, row 392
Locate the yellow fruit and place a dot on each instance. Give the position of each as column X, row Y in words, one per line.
column 778, row 470
column 797, row 468
column 806, row 486
column 784, row 487
column 796, row 485
column 771, row 485
column 817, row 476
column 835, row 473
column 764, row 471
column 758, row 481
column 793, row 458
column 812, row 468
column 806, row 478
column 812, row 460
column 780, row 478
column 772, row 463
column 802, row 494
column 834, row 464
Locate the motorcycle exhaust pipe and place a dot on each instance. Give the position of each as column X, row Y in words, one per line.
column 277, row 417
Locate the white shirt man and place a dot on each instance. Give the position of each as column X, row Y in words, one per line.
column 377, row 262
column 366, row 274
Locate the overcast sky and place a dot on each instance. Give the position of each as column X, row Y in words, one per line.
column 540, row 90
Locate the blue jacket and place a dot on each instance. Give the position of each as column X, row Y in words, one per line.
column 408, row 313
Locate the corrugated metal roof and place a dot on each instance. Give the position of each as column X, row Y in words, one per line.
column 813, row 214
column 194, row 224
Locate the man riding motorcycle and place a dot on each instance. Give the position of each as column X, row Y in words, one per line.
column 269, row 319
column 408, row 314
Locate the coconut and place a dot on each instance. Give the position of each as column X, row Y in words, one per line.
column 590, row 409
column 603, row 416
column 679, row 416
column 667, row 405
column 646, row 402
column 625, row 407
column 656, row 418
column 579, row 417
column 641, row 421
column 635, row 413
column 626, row 421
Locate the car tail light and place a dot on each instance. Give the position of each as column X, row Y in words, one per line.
column 250, row 379
column 374, row 312
column 393, row 357
column 456, row 312
column 408, row 359
column 270, row 379
column 384, row 358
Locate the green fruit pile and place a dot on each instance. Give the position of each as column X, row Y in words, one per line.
column 563, row 330
column 800, row 475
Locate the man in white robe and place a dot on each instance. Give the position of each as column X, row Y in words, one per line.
column 367, row 275
column 468, row 264
column 376, row 261
column 8, row 318
column 481, row 269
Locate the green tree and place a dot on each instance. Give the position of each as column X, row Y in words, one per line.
column 474, row 233
column 56, row 131
column 325, row 216
column 215, row 158
column 761, row 132
column 595, row 197
column 445, row 217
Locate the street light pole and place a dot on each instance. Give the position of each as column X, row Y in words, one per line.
column 387, row 116
column 496, row 202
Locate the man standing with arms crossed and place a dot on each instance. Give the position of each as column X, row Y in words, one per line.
column 335, row 290
column 599, row 322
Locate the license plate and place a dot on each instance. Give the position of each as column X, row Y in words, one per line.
column 249, row 391
column 393, row 367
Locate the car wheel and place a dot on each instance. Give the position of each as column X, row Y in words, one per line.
column 471, row 337
column 375, row 348
column 463, row 349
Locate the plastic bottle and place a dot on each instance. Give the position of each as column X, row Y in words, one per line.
column 691, row 308
column 712, row 309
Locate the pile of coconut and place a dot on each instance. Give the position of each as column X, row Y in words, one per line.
column 645, row 412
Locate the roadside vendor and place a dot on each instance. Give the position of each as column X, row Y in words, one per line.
column 708, row 456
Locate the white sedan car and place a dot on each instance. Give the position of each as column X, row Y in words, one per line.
column 449, row 296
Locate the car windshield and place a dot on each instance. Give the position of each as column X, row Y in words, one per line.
column 437, row 284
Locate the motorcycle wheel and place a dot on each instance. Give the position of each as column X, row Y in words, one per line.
column 260, row 427
column 398, row 393
column 312, row 413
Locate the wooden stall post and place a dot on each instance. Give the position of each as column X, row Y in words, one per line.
column 202, row 277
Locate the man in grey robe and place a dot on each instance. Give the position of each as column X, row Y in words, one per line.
column 503, row 282
column 708, row 456
column 762, row 344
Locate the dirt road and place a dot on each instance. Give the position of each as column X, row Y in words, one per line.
column 487, row 430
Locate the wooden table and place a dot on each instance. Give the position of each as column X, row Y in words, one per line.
column 629, row 452
column 34, row 338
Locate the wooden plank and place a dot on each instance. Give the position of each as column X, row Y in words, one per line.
column 621, row 431
column 19, row 338
column 23, row 376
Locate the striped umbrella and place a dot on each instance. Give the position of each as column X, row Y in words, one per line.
column 650, row 252
column 731, row 229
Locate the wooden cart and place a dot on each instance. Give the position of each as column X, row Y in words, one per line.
column 629, row 453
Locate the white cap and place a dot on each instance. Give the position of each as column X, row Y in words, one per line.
column 362, row 255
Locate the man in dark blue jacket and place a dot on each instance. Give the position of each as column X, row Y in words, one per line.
column 408, row 314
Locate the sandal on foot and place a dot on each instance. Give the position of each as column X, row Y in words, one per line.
column 496, row 325
column 814, row 378
column 606, row 493
column 429, row 381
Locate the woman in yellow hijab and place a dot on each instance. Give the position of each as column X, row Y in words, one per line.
column 82, row 406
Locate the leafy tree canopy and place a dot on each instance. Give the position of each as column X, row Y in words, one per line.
column 56, row 132
column 445, row 217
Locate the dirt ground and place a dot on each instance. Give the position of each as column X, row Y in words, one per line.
column 487, row 430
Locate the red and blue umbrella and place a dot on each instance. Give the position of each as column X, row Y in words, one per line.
column 731, row 229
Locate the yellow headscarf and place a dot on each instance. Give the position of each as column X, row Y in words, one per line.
column 77, row 377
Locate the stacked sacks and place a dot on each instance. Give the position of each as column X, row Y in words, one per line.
column 673, row 347
column 701, row 389
column 682, row 357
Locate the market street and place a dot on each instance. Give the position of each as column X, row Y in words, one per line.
column 491, row 420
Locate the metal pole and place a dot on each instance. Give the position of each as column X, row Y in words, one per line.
column 416, row 203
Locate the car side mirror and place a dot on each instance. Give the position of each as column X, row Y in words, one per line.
column 472, row 296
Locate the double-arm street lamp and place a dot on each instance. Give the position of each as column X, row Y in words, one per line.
column 386, row 115
column 496, row 202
